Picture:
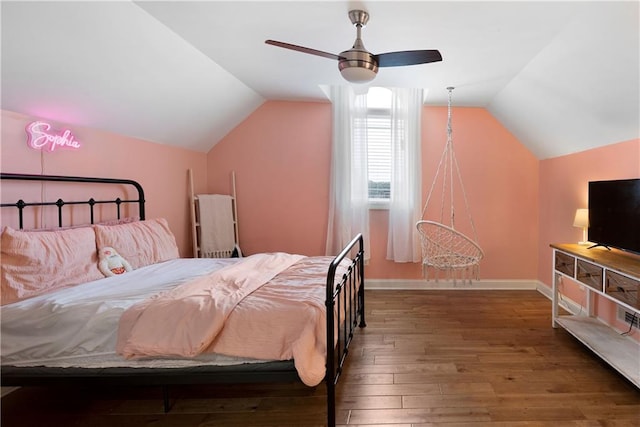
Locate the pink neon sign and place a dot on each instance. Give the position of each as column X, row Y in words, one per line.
column 40, row 138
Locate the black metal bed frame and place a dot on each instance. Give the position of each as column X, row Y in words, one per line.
column 343, row 296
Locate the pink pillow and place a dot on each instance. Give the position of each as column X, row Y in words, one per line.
column 35, row 263
column 124, row 220
column 141, row 243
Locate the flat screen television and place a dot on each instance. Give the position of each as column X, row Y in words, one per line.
column 614, row 214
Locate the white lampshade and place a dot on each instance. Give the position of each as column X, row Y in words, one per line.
column 582, row 218
column 358, row 74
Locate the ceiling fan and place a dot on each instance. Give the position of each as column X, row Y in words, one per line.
column 357, row 65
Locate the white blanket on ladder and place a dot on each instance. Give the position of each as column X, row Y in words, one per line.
column 217, row 235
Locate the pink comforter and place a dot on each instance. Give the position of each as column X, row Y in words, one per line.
column 264, row 307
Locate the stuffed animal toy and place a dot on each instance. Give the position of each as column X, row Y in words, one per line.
column 111, row 263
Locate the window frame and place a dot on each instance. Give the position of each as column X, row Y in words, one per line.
column 382, row 112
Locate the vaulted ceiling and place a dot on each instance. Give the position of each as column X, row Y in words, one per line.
column 561, row 76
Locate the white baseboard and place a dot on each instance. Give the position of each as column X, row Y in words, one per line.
column 400, row 284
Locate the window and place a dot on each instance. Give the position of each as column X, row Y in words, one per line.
column 378, row 132
column 376, row 164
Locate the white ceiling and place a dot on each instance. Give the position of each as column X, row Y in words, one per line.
column 561, row 76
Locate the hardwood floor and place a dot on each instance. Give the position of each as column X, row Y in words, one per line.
column 427, row 358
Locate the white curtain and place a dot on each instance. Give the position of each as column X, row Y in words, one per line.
column 403, row 242
column 348, row 194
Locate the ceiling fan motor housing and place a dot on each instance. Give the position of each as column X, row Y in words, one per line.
column 357, row 66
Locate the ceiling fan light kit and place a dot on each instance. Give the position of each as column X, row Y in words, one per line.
column 357, row 65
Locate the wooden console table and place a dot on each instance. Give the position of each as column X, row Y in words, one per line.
column 613, row 274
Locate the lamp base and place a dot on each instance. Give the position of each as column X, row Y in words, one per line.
column 584, row 241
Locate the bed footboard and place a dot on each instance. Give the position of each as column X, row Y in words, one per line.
column 345, row 296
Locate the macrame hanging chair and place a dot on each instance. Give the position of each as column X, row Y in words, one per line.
column 446, row 251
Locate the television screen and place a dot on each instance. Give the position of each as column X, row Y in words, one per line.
column 614, row 213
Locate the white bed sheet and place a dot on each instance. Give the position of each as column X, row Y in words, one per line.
column 77, row 326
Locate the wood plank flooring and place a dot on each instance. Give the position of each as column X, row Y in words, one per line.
column 427, row 358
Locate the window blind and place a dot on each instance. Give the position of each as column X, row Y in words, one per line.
column 378, row 125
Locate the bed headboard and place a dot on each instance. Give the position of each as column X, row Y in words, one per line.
column 21, row 204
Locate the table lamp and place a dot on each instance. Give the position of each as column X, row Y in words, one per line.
column 582, row 220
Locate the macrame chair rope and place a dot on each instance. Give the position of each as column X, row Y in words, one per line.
column 444, row 249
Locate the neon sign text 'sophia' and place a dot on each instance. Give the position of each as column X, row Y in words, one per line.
column 39, row 138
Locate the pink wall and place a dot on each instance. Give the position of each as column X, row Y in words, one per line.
column 564, row 188
column 281, row 156
column 161, row 169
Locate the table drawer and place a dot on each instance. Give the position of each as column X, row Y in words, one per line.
column 565, row 263
column 623, row 288
column 589, row 274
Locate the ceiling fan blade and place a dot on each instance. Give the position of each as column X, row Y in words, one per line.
column 303, row 49
column 407, row 57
